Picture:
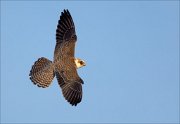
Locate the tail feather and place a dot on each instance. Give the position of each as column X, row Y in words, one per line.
column 42, row 72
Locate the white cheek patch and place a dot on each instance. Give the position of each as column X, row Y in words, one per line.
column 78, row 65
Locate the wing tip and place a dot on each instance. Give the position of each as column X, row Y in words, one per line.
column 73, row 96
column 66, row 10
column 65, row 27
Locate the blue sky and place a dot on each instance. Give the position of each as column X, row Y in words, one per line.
column 131, row 50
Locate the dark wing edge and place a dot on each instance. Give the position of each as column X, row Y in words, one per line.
column 65, row 28
column 72, row 90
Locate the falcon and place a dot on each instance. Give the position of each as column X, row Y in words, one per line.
column 64, row 65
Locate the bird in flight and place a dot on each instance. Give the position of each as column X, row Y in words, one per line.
column 64, row 65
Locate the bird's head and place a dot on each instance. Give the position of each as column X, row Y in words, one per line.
column 79, row 63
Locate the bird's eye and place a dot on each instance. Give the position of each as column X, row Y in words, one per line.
column 81, row 62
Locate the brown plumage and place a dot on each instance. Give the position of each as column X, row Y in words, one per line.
column 64, row 65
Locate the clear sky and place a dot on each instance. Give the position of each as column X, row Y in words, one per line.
column 132, row 55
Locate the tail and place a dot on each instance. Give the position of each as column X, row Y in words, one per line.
column 42, row 72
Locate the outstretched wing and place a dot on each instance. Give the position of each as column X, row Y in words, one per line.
column 71, row 88
column 65, row 68
column 65, row 36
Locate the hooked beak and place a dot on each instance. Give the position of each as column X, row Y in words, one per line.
column 84, row 64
